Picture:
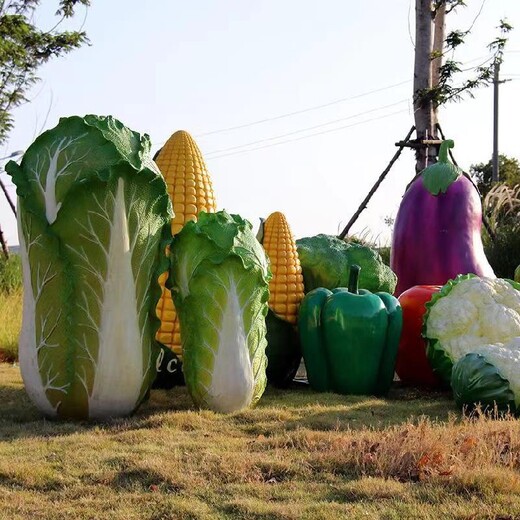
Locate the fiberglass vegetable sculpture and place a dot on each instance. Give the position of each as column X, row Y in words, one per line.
column 489, row 377
column 190, row 190
column 349, row 338
column 285, row 294
column 412, row 365
column 326, row 262
column 93, row 224
column 465, row 314
column 437, row 229
column 220, row 284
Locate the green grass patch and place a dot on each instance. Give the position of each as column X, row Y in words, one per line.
column 11, row 320
column 10, row 274
column 297, row 455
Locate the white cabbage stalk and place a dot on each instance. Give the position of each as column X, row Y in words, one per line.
column 93, row 223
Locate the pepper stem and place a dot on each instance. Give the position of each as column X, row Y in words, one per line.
column 443, row 150
column 353, row 279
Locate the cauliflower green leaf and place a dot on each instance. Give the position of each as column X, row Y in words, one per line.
column 490, row 377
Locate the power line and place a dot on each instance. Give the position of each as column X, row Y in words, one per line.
column 316, row 107
column 296, row 112
column 476, row 17
column 309, row 136
column 409, row 24
column 305, row 129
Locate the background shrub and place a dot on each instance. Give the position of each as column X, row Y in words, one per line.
column 10, row 274
column 503, row 253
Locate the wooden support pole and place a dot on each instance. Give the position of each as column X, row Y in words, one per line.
column 414, row 143
column 5, row 249
column 8, row 197
column 366, row 200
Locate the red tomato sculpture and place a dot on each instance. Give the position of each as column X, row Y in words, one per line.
column 412, row 365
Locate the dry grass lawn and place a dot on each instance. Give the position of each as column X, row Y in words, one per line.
column 298, row 455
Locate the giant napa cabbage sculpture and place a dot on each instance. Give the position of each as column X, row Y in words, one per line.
column 220, row 285
column 94, row 221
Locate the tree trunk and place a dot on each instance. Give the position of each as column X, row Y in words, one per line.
column 423, row 109
column 439, row 36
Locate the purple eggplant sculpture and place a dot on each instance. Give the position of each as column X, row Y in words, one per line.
column 437, row 228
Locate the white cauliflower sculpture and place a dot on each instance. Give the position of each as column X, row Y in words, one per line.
column 468, row 313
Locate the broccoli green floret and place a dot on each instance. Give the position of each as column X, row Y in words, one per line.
column 326, row 262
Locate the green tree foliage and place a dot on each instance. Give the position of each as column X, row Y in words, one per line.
column 449, row 88
column 509, row 173
column 25, row 47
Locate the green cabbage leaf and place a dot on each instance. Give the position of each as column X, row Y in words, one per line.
column 220, row 285
column 93, row 221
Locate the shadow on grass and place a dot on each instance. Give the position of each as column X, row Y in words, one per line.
column 328, row 411
column 296, row 407
column 377, row 414
column 16, row 406
column 138, row 479
column 19, row 418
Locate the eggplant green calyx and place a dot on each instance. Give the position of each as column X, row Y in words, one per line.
column 438, row 177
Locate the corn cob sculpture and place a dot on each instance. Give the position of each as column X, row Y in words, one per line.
column 190, row 190
column 285, row 294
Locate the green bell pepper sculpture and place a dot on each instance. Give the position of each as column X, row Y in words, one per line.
column 349, row 338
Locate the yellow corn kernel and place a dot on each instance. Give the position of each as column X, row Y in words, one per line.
column 190, row 190
column 286, row 286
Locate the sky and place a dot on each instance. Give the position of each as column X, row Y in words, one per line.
column 296, row 105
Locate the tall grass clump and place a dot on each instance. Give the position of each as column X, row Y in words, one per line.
column 502, row 208
column 11, row 293
column 11, row 321
column 10, row 274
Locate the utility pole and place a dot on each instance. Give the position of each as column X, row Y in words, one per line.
column 496, row 73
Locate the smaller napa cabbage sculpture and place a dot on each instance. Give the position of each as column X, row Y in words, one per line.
column 220, row 285
column 94, row 222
